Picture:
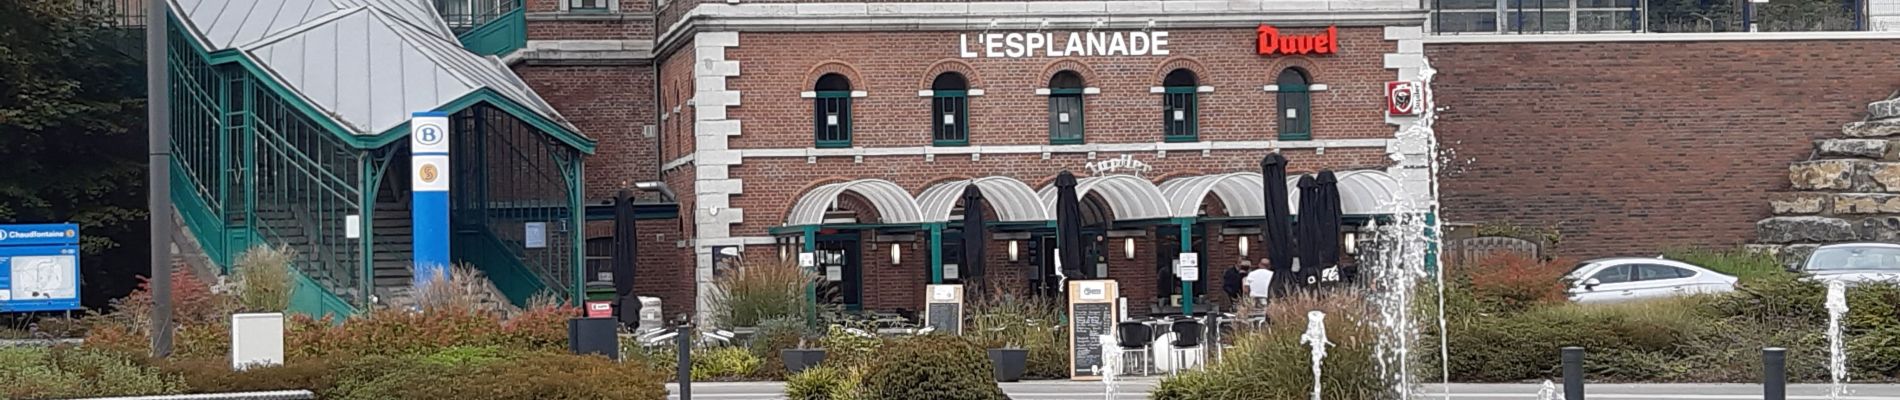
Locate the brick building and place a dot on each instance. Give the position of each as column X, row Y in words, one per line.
column 1635, row 144
column 849, row 129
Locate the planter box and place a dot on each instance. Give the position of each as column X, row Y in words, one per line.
column 798, row 359
column 1009, row 364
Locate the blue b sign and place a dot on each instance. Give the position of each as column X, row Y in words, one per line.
column 39, row 267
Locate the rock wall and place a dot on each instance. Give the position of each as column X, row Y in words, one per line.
column 1848, row 192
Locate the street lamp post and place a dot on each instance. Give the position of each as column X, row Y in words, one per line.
column 159, row 160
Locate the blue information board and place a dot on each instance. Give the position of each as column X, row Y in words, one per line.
column 39, row 267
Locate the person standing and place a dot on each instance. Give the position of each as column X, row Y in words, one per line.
column 1259, row 285
column 1230, row 281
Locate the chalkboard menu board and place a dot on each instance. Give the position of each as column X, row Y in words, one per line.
column 943, row 309
column 1091, row 315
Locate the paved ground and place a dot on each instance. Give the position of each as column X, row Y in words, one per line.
column 1136, row 389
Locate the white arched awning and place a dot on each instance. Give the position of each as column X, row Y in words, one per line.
column 1240, row 191
column 1131, row 197
column 1012, row 199
column 894, row 204
column 1361, row 192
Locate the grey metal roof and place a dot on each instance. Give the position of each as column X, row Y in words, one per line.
column 368, row 64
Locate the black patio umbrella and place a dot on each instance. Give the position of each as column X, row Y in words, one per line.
column 973, row 239
column 1330, row 219
column 1278, row 233
column 1311, row 240
column 1069, row 226
column 626, row 247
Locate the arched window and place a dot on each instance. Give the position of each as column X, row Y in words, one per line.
column 831, row 111
column 1180, row 117
column 1296, row 105
column 1065, row 108
column 948, row 116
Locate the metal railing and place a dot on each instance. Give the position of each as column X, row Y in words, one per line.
column 127, row 13
column 520, row 189
column 254, row 170
column 1464, row 17
column 466, row 15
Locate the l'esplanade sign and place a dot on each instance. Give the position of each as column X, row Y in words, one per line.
column 1056, row 44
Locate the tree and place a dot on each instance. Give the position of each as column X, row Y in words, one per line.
column 72, row 128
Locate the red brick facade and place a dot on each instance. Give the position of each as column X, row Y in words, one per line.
column 633, row 22
column 777, row 67
column 893, row 66
column 612, row 103
column 1630, row 148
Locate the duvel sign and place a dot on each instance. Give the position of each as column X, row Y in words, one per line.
column 1270, row 41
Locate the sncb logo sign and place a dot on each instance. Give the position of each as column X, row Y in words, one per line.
column 429, row 135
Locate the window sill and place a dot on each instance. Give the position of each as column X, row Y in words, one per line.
column 1182, row 139
column 1065, row 141
column 833, row 145
column 1295, row 136
column 950, row 143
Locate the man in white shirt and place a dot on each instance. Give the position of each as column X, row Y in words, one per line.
column 1259, row 284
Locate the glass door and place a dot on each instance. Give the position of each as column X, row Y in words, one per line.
column 839, row 260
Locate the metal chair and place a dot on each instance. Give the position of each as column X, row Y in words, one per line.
column 1132, row 335
column 1187, row 337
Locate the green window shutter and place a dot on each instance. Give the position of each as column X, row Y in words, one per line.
column 1295, row 112
column 831, row 119
column 1180, row 114
column 949, row 115
column 1067, row 130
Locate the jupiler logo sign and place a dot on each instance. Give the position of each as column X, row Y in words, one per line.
column 1126, row 164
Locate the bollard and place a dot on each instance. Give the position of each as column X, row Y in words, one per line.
column 1573, row 373
column 1774, row 373
column 686, row 361
column 1213, row 320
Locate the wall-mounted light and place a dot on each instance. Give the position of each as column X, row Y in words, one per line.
column 1128, row 246
column 1352, row 243
column 897, row 254
column 1243, row 245
column 1012, row 251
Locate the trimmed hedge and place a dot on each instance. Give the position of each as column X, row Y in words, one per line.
column 931, row 367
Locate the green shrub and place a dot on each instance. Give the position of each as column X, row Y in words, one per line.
column 658, row 358
column 931, row 367
column 1271, row 363
column 214, row 375
column 724, row 363
column 1625, row 341
column 774, row 335
column 1740, row 263
column 464, row 355
column 823, row 383
column 848, row 349
column 39, row 373
column 760, row 291
column 531, row 375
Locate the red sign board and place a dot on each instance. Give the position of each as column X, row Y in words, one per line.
column 1403, row 98
column 600, row 309
column 1270, row 41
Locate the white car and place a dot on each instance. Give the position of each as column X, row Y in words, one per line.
column 1853, row 263
column 1624, row 279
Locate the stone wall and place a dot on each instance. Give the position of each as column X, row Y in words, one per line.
column 1849, row 191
